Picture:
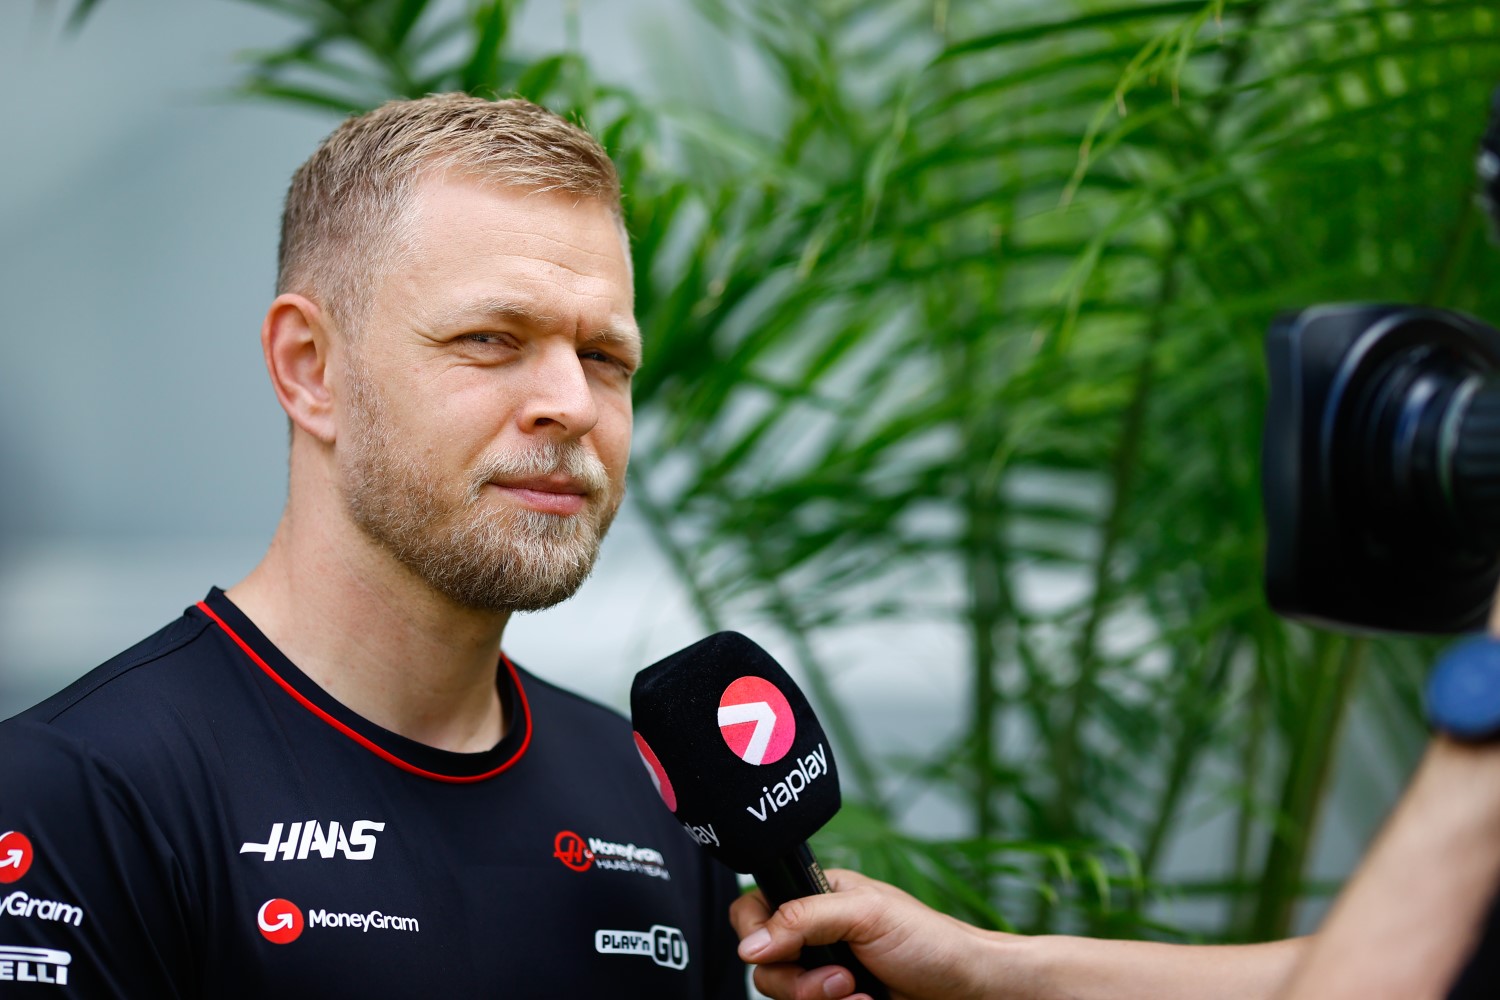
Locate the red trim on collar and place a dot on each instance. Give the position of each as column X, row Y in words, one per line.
column 363, row 741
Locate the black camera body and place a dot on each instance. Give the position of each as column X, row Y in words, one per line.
column 1381, row 468
column 1381, row 459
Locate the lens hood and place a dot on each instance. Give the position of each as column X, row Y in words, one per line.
column 1381, row 468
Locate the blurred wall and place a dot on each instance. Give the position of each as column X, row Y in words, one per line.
column 142, row 453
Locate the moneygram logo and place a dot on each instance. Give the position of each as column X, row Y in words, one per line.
column 15, row 855
column 662, row 944
column 756, row 720
column 20, row 904
column 658, row 773
column 280, row 921
column 570, row 849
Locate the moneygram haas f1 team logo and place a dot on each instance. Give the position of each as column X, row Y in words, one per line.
column 572, row 850
column 280, row 921
column 756, row 720
column 15, row 855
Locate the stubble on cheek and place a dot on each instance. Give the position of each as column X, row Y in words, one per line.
column 477, row 551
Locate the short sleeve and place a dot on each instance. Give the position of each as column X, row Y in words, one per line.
column 1480, row 977
column 91, row 896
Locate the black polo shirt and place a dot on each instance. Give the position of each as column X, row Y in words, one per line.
column 197, row 818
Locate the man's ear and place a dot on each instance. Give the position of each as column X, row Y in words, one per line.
column 295, row 339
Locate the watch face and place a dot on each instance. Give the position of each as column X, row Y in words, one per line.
column 1463, row 692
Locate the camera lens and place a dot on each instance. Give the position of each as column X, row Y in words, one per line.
column 1382, row 468
column 1419, row 444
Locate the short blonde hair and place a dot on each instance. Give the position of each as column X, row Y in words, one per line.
column 348, row 205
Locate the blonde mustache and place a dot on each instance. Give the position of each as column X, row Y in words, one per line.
column 548, row 458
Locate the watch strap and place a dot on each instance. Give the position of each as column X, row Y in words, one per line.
column 1463, row 691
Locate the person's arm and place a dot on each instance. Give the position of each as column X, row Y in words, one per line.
column 925, row 955
column 1415, row 908
column 92, row 899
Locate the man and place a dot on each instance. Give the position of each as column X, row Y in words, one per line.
column 328, row 780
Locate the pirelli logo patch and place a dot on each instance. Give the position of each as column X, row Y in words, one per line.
column 43, row 966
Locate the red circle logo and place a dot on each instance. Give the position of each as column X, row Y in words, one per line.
column 15, row 855
column 756, row 720
column 280, row 921
column 658, row 773
column 570, row 849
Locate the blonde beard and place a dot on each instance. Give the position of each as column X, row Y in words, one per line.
column 484, row 557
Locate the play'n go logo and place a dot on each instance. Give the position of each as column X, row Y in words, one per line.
column 658, row 773
column 15, row 855
column 756, row 720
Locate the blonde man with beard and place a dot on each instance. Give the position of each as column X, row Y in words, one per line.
column 328, row 779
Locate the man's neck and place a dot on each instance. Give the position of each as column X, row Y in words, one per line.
column 375, row 636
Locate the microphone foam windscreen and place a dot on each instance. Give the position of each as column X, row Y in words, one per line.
column 735, row 750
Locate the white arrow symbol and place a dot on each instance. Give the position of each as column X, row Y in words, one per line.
column 13, row 859
column 283, row 922
column 650, row 770
column 758, row 712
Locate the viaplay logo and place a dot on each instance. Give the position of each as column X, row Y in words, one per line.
column 756, row 720
column 280, row 921
column 658, row 773
column 15, row 855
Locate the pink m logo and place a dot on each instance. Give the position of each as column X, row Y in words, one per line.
column 756, row 720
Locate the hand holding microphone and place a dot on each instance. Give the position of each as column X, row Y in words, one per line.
column 919, row 953
column 741, row 760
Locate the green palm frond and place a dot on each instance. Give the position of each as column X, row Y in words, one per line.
column 964, row 333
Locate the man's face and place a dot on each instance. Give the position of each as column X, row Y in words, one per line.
column 486, row 420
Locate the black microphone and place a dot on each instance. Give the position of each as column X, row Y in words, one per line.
column 742, row 762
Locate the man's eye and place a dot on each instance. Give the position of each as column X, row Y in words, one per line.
column 605, row 357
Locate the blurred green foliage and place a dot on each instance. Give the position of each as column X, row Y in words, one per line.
column 970, row 334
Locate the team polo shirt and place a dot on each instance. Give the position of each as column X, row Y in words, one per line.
column 197, row 818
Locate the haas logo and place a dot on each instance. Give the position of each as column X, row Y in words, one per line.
column 280, row 921
column 15, row 855
column 756, row 720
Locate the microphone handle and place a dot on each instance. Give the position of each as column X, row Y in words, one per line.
column 791, row 876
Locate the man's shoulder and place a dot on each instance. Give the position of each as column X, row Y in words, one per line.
column 131, row 681
column 78, row 751
column 556, row 699
column 117, row 677
column 154, row 702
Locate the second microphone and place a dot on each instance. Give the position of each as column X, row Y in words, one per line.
column 742, row 762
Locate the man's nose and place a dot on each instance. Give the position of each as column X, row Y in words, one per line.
column 559, row 398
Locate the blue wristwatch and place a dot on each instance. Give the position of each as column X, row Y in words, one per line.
column 1463, row 691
